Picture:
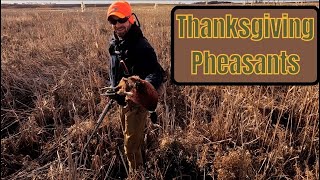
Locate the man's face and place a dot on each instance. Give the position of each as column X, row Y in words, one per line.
column 120, row 26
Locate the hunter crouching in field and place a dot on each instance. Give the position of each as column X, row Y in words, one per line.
column 134, row 65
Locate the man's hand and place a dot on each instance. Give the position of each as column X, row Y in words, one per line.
column 120, row 99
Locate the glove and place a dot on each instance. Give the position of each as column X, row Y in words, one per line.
column 121, row 100
column 153, row 116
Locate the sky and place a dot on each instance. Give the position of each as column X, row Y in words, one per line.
column 109, row 1
column 90, row 1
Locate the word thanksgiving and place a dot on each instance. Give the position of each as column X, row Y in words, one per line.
column 256, row 29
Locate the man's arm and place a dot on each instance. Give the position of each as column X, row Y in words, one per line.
column 113, row 74
column 156, row 73
column 113, row 64
column 148, row 66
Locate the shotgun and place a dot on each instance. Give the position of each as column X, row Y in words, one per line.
column 101, row 117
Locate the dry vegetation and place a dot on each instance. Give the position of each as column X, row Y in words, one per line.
column 53, row 64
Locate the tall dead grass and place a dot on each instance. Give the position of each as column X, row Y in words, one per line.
column 53, row 64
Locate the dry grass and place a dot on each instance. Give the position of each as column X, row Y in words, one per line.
column 53, row 64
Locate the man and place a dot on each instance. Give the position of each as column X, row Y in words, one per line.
column 131, row 54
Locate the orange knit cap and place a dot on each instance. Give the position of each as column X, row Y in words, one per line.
column 121, row 9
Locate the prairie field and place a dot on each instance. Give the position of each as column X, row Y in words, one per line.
column 54, row 63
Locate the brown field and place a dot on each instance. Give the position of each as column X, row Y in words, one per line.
column 53, row 65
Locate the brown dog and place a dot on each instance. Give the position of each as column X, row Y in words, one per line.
column 139, row 91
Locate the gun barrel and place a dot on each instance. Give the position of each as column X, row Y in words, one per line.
column 101, row 117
